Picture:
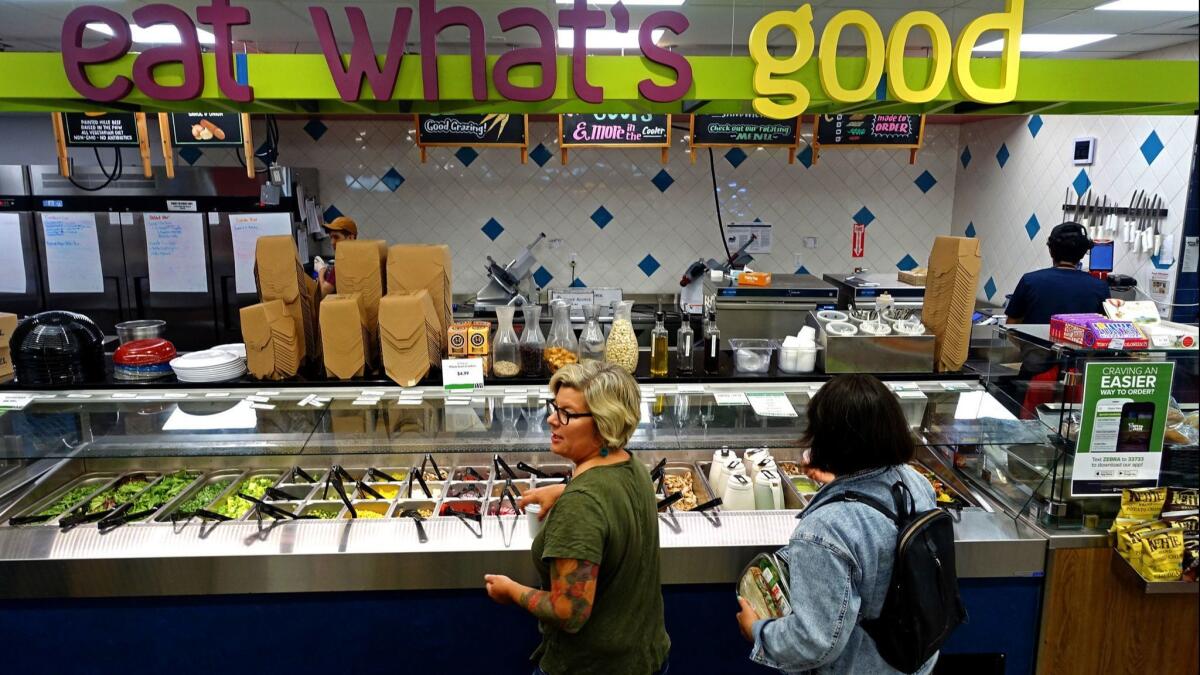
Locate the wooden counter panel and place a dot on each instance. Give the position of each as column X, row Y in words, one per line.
column 1096, row 623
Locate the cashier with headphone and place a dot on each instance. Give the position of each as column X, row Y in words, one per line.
column 340, row 229
column 1059, row 289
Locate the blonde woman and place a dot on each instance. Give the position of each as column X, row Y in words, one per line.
column 600, row 603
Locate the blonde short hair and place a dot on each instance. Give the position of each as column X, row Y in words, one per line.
column 612, row 397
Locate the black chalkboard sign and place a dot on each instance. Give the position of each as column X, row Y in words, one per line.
column 211, row 129
column 614, row 130
column 728, row 130
column 893, row 131
column 494, row 129
column 101, row 130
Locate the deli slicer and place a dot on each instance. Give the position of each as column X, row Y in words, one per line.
column 511, row 284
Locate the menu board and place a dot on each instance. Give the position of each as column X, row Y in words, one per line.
column 457, row 130
column 246, row 229
column 100, row 130
column 12, row 255
column 723, row 130
column 614, row 130
column 72, row 253
column 211, row 129
column 897, row 131
column 175, row 253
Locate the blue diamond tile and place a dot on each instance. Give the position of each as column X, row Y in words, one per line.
column 315, row 129
column 925, row 181
column 466, row 155
column 392, row 179
column 907, row 263
column 492, row 228
column 1035, row 125
column 864, row 216
column 542, row 277
column 601, row 217
column 1081, row 182
column 801, row 270
column 578, row 283
column 1151, row 147
column 735, row 157
column 805, row 157
column 1002, row 155
column 540, row 155
column 190, row 155
column 662, row 180
column 1032, row 226
column 965, row 157
column 970, row 231
column 649, row 265
column 331, row 213
column 989, row 288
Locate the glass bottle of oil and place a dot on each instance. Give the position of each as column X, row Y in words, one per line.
column 658, row 347
column 683, row 347
column 712, row 346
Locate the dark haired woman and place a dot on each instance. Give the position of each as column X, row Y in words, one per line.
column 841, row 556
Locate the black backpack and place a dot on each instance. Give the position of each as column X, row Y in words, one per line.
column 922, row 606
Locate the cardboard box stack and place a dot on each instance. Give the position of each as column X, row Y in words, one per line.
column 8, row 323
column 344, row 341
column 361, row 268
column 410, row 334
column 272, row 342
column 950, row 286
column 414, row 267
column 280, row 277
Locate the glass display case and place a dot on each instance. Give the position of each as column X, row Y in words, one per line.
column 316, row 484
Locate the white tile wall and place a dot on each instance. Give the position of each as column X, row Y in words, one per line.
column 447, row 201
column 999, row 201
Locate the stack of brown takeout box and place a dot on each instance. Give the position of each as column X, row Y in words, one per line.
column 360, row 269
column 415, row 267
column 344, row 335
column 280, row 277
column 272, row 342
column 410, row 335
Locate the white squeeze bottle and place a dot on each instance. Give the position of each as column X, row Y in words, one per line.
column 719, row 459
column 752, row 455
column 768, row 491
column 733, row 467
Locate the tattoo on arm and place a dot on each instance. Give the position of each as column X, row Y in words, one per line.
column 572, row 592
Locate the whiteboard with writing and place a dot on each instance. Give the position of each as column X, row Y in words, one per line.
column 12, row 255
column 175, row 253
column 72, row 253
column 246, row 229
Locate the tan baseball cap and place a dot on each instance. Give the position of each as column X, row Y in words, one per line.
column 344, row 224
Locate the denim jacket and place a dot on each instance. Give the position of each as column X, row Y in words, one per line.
column 841, row 559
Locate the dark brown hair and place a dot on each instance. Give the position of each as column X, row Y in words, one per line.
column 855, row 423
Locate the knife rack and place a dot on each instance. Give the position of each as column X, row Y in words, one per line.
column 1113, row 210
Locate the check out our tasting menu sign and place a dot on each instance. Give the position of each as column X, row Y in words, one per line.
column 1124, row 421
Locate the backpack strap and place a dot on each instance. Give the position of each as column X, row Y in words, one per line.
column 860, row 498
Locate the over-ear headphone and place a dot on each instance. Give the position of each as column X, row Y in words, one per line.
column 1070, row 234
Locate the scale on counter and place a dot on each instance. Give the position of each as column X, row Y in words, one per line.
column 860, row 289
column 767, row 311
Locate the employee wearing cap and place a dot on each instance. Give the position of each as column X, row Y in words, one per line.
column 339, row 229
column 1061, row 288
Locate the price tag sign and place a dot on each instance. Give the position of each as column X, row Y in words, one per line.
column 771, row 405
column 14, row 401
column 730, row 398
column 462, row 374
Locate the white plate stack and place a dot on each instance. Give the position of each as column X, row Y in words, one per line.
column 220, row 364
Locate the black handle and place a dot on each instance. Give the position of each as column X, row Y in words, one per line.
column 532, row 471
column 369, row 490
column 209, row 515
column 297, row 471
column 29, row 520
column 276, row 493
column 424, row 486
column 670, row 500
column 712, row 503
column 121, row 304
column 504, row 465
column 421, row 536
column 380, row 474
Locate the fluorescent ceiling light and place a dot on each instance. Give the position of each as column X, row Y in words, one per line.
column 158, row 34
column 1183, row 6
column 606, row 39
column 1048, row 42
column 673, row 3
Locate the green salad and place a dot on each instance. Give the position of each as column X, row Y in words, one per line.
column 163, row 491
column 234, row 506
column 324, row 512
column 117, row 495
column 204, row 497
column 65, row 502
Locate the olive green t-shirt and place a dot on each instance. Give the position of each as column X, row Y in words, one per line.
column 607, row 516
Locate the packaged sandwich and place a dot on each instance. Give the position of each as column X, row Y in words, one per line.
column 764, row 585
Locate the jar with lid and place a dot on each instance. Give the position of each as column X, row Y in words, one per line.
column 561, row 347
column 591, row 340
column 532, row 343
column 622, row 347
column 506, row 355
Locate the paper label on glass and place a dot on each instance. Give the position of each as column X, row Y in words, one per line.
column 14, row 401
column 12, row 255
column 462, row 374
column 72, row 253
column 730, row 398
column 771, row 405
column 246, row 228
column 175, row 253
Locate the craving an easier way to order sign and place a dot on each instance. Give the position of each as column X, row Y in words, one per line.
column 1124, row 421
column 354, row 70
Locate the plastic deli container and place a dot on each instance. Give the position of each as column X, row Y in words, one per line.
column 752, row 355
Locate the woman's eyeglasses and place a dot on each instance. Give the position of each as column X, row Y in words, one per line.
column 564, row 417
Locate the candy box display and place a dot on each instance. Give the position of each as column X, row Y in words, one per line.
column 1097, row 332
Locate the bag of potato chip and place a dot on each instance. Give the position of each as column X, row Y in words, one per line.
column 1162, row 555
column 1129, row 539
column 1142, row 503
column 1181, row 500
